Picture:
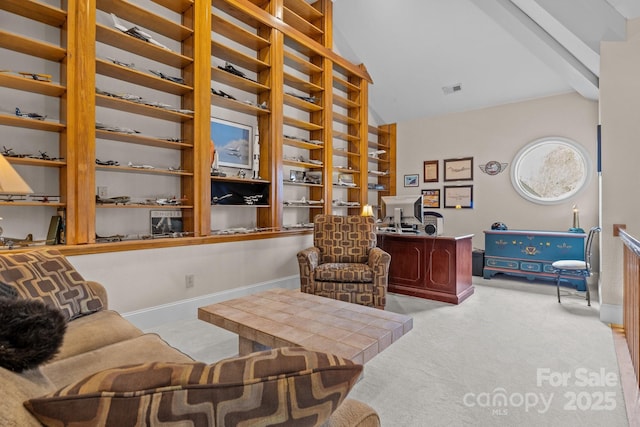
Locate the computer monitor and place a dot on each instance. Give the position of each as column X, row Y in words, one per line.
column 403, row 211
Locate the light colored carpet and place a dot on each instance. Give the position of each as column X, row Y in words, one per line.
column 510, row 355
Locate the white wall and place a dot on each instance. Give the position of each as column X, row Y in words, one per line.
column 619, row 106
column 498, row 133
column 141, row 279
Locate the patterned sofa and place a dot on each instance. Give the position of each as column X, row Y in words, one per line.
column 344, row 262
column 107, row 372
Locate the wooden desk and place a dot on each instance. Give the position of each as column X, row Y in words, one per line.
column 437, row 268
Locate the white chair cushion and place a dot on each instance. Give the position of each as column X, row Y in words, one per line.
column 569, row 265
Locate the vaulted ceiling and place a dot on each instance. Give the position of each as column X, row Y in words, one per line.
column 497, row 51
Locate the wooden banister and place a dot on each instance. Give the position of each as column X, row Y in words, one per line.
column 631, row 298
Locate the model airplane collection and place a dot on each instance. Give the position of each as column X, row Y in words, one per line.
column 167, row 77
column 311, row 99
column 109, row 128
column 136, row 32
column 41, row 77
column 229, row 68
column 140, row 100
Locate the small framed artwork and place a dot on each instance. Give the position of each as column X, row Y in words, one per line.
column 232, row 142
column 430, row 171
column 458, row 169
column 166, row 222
column 431, row 198
column 458, row 197
column 411, row 180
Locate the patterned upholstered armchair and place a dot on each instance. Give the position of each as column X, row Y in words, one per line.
column 344, row 263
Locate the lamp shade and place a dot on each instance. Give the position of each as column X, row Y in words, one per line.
column 367, row 210
column 10, row 182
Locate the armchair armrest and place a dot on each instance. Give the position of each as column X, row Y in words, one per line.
column 307, row 261
column 379, row 262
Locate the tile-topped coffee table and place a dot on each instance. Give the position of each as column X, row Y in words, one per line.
column 286, row 317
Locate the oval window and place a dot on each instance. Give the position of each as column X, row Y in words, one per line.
column 550, row 170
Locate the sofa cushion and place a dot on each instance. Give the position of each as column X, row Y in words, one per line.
column 284, row 386
column 143, row 349
column 344, row 238
column 99, row 330
column 343, row 272
column 30, row 333
column 48, row 276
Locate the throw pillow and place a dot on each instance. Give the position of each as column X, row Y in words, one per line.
column 285, row 386
column 31, row 333
column 8, row 291
column 48, row 276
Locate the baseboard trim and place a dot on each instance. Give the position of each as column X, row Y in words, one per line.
column 611, row 313
column 188, row 308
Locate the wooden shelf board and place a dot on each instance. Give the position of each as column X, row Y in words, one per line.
column 25, row 203
column 23, row 122
column 344, row 102
column 31, row 47
column 142, row 109
column 290, row 121
column 346, row 85
column 303, row 9
column 36, row 10
column 20, row 82
column 224, row 77
column 236, row 57
column 35, row 162
column 305, row 27
column 301, row 164
column 237, row 179
column 303, row 85
column 344, row 136
column 302, row 184
column 178, row 6
column 235, row 105
column 238, row 34
column 301, row 104
column 129, row 43
column 300, row 64
column 144, row 19
column 129, row 169
column 141, row 206
column 341, row 118
column 120, row 72
column 140, row 139
column 301, row 144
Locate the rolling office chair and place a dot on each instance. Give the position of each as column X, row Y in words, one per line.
column 566, row 267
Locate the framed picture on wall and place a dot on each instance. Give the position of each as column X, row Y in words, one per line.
column 431, row 198
column 411, row 180
column 232, row 142
column 458, row 196
column 430, row 171
column 458, row 169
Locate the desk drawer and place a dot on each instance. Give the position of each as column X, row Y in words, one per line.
column 536, row 267
column 502, row 263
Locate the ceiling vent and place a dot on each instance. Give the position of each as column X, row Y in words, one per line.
column 452, row 89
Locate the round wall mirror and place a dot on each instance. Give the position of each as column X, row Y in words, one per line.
column 550, row 170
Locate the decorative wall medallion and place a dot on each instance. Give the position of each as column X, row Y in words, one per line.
column 493, row 167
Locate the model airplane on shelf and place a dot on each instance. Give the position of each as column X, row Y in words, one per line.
column 12, row 198
column 343, row 203
column 44, row 198
column 229, row 68
column 216, row 199
column 380, row 173
column 107, row 162
column 222, row 94
column 109, row 239
column 44, row 156
column 299, row 225
column 303, row 201
column 122, row 64
column 262, row 106
column 166, row 77
column 35, row 116
column 109, row 128
column 8, row 152
column 376, row 154
column 136, row 166
column 311, row 99
column 119, row 200
column 136, row 32
column 346, row 184
column 171, row 201
column 12, row 242
column 36, row 76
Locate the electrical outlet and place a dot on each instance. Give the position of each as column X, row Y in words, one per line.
column 102, row 192
column 190, row 280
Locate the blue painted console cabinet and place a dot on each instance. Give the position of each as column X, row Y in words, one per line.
column 529, row 254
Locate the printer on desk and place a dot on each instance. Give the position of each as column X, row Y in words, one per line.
column 433, row 223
